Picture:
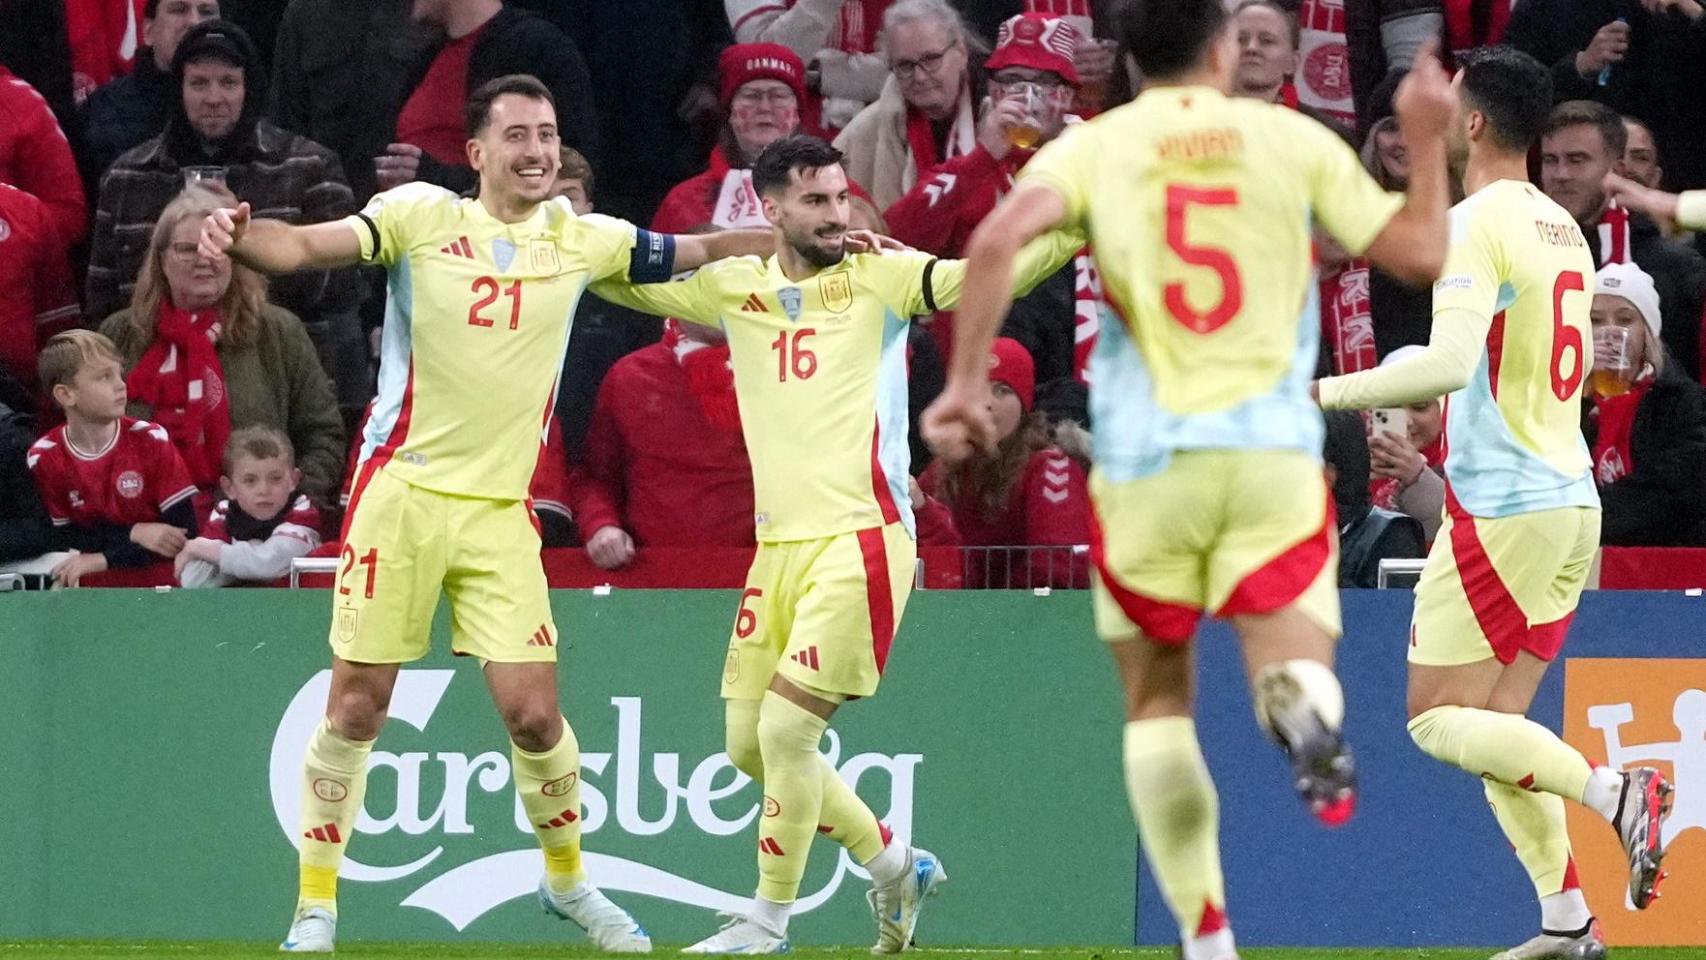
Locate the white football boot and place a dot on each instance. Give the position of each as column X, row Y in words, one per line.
column 609, row 927
column 896, row 905
column 312, row 931
column 742, row 934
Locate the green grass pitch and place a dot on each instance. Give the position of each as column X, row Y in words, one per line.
column 162, row 950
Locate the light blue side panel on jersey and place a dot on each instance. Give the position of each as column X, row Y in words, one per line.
column 1134, row 437
column 1490, row 472
column 396, row 351
column 892, row 451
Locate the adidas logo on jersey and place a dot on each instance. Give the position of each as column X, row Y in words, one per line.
column 754, row 305
column 806, row 658
column 461, row 248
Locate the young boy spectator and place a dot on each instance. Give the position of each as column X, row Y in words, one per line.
column 263, row 523
column 115, row 488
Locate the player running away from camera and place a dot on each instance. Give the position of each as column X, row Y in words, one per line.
column 481, row 292
column 818, row 341
column 1511, row 348
column 1209, row 491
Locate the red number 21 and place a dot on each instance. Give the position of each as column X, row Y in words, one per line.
column 490, row 286
column 1179, row 202
column 370, row 560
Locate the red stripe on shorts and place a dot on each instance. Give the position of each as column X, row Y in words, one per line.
column 1502, row 621
column 1168, row 624
column 399, row 434
column 879, row 598
column 1284, row 578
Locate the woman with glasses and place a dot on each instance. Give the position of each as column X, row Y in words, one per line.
column 205, row 353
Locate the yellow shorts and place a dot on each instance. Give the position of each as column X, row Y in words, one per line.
column 1223, row 531
column 404, row 545
column 822, row 613
column 1495, row 586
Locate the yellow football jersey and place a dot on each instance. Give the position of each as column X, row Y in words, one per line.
column 1199, row 208
column 820, row 373
column 477, row 321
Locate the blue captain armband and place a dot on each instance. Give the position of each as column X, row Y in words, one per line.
column 653, row 257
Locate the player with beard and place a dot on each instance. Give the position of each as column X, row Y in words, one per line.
column 818, row 342
column 482, row 292
column 1510, row 349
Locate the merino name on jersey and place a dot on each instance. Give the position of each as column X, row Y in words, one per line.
column 1560, row 234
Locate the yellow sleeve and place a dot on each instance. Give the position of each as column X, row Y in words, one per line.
column 1345, row 199
column 1036, row 262
column 1691, row 210
column 695, row 298
column 1465, row 299
column 1064, row 166
column 385, row 228
column 607, row 243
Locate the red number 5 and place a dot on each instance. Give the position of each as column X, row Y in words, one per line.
column 1179, row 201
column 1566, row 339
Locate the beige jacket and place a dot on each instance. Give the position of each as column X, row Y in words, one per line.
column 878, row 156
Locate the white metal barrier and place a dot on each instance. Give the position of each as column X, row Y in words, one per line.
column 310, row 565
column 1393, row 569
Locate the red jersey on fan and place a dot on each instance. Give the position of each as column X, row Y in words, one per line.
column 41, row 300
column 137, row 477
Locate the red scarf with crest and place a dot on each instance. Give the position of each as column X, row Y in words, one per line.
column 181, row 378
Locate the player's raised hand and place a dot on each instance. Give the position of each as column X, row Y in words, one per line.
column 222, row 229
column 870, row 241
column 959, row 422
column 1425, row 102
column 1659, row 205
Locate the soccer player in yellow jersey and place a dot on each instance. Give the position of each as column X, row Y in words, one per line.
column 1208, row 490
column 481, row 294
column 818, row 342
column 1511, row 348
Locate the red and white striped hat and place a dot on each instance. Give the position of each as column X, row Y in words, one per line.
column 1037, row 41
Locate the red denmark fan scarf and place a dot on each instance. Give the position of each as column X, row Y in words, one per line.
column 709, row 377
column 181, row 378
column 1613, row 445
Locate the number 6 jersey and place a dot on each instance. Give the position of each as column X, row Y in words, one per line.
column 1512, row 309
column 1199, row 208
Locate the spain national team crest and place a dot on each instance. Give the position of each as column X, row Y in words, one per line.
column 542, row 257
column 1631, row 713
column 346, row 619
column 791, row 299
column 837, row 290
column 503, row 253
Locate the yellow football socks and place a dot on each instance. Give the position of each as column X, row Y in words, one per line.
column 334, row 780
column 843, row 818
column 788, row 737
column 549, row 785
column 1511, row 749
column 1534, row 824
column 1178, row 820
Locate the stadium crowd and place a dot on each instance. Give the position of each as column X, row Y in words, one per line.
column 212, row 422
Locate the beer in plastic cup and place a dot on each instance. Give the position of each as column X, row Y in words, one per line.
column 1613, row 366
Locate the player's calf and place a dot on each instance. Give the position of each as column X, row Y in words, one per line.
column 1301, row 706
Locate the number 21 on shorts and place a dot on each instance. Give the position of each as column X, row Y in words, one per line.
column 369, row 560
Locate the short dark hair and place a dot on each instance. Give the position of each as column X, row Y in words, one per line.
column 1577, row 113
column 776, row 164
column 479, row 112
column 1168, row 37
column 1512, row 90
column 1294, row 30
column 1658, row 155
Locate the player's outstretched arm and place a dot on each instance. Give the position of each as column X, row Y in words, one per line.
column 1687, row 210
column 273, row 246
column 1453, row 352
column 693, row 251
column 1412, row 245
column 959, row 419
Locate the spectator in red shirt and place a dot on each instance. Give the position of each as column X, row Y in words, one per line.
column 37, row 298
column 763, row 86
column 264, row 522
column 115, row 488
column 103, row 35
column 1027, row 493
column 35, row 158
column 665, row 461
column 487, row 40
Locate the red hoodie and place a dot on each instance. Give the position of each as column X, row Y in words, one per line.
column 655, row 466
column 35, row 158
column 1048, row 506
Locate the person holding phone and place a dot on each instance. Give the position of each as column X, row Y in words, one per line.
column 1406, row 452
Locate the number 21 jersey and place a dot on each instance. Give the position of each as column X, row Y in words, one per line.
column 1200, row 209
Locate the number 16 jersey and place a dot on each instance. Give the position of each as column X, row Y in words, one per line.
column 1200, row 209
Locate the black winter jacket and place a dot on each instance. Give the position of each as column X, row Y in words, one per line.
column 1662, row 501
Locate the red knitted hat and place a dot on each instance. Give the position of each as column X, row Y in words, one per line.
column 1010, row 363
column 745, row 62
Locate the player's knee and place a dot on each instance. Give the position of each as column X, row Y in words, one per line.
column 356, row 714
column 744, row 753
column 1428, row 731
column 786, row 730
column 533, row 726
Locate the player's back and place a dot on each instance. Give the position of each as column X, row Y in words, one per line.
column 1513, row 433
column 1200, row 210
